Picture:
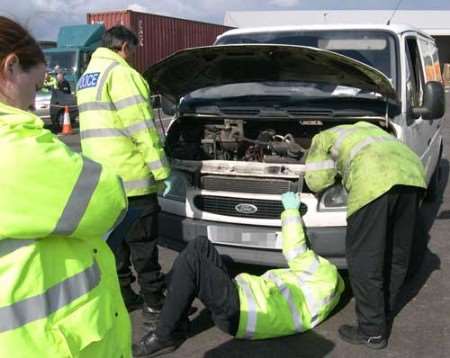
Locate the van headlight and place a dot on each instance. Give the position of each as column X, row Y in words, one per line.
column 333, row 199
column 179, row 181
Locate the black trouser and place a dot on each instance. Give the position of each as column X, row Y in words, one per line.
column 140, row 228
column 379, row 241
column 199, row 272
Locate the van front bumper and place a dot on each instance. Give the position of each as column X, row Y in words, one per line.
column 248, row 244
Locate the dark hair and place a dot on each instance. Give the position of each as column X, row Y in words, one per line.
column 15, row 39
column 116, row 36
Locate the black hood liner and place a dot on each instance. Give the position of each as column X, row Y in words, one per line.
column 193, row 69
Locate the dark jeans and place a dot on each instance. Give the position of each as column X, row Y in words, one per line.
column 199, row 272
column 378, row 246
column 134, row 241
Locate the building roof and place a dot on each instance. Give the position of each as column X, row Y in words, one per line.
column 431, row 22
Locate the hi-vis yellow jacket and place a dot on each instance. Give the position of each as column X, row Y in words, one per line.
column 369, row 160
column 292, row 300
column 116, row 123
column 59, row 294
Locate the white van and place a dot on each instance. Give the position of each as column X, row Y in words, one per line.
column 248, row 107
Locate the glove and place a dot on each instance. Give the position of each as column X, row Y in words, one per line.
column 290, row 200
column 167, row 187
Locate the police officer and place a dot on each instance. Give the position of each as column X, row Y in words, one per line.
column 384, row 180
column 50, row 82
column 117, row 129
column 62, row 84
column 59, row 294
column 279, row 303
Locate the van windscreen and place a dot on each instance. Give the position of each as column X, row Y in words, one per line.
column 374, row 48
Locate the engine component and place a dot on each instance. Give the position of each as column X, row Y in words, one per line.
column 226, row 140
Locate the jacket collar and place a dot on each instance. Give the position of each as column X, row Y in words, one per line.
column 16, row 115
column 105, row 53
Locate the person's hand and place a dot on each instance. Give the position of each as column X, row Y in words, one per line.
column 290, row 200
column 167, row 187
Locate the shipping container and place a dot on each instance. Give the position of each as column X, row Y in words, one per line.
column 159, row 36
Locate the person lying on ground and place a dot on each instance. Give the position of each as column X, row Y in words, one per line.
column 279, row 303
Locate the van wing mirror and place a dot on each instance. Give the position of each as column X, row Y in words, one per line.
column 433, row 106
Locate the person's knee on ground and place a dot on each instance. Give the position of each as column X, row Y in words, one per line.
column 199, row 245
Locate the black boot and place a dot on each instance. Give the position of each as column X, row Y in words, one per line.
column 132, row 300
column 152, row 346
column 150, row 317
column 353, row 335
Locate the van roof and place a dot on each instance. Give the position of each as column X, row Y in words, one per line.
column 395, row 28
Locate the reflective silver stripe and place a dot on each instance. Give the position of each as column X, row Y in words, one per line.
column 95, row 106
column 56, row 297
column 103, row 79
column 116, row 132
column 134, row 128
column 360, row 146
column 291, row 220
column 157, row 164
column 129, row 101
column 364, row 143
column 10, row 245
column 342, row 134
column 296, row 251
column 251, row 313
column 323, row 165
column 322, row 303
column 314, row 305
column 101, row 133
column 138, row 184
column 286, row 293
column 79, row 198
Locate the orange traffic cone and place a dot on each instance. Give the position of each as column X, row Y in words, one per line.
column 67, row 127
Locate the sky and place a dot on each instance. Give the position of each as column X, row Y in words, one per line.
column 44, row 17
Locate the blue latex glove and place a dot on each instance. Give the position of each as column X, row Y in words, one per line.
column 167, row 187
column 290, row 200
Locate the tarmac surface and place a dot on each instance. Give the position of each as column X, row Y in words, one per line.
column 421, row 328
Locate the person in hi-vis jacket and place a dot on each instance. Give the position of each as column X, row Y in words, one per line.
column 384, row 179
column 281, row 302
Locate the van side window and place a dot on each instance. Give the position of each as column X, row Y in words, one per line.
column 414, row 74
column 436, row 63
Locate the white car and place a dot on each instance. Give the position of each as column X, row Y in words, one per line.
column 248, row 108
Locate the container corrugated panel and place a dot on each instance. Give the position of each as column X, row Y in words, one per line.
column 159, row 36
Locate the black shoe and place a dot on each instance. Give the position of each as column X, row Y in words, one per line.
column 132, row 300
column 353, row 335
column 152, row 346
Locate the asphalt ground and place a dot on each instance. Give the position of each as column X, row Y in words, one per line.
column 420, row 329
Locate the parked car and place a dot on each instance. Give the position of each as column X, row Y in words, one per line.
column 248, row 107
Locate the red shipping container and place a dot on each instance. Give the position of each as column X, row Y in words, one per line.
column 159, row 36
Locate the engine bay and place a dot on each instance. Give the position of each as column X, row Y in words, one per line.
column 263, row 141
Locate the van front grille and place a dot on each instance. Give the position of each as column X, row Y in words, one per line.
column 245, row 208
column 247, row 185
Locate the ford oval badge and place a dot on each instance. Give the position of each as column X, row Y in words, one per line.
column 245, row 208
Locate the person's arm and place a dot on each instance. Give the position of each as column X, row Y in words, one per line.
column 318, row 279
column 130, row 95
column 295, row 249
column 320, row 166
column 49, row 190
